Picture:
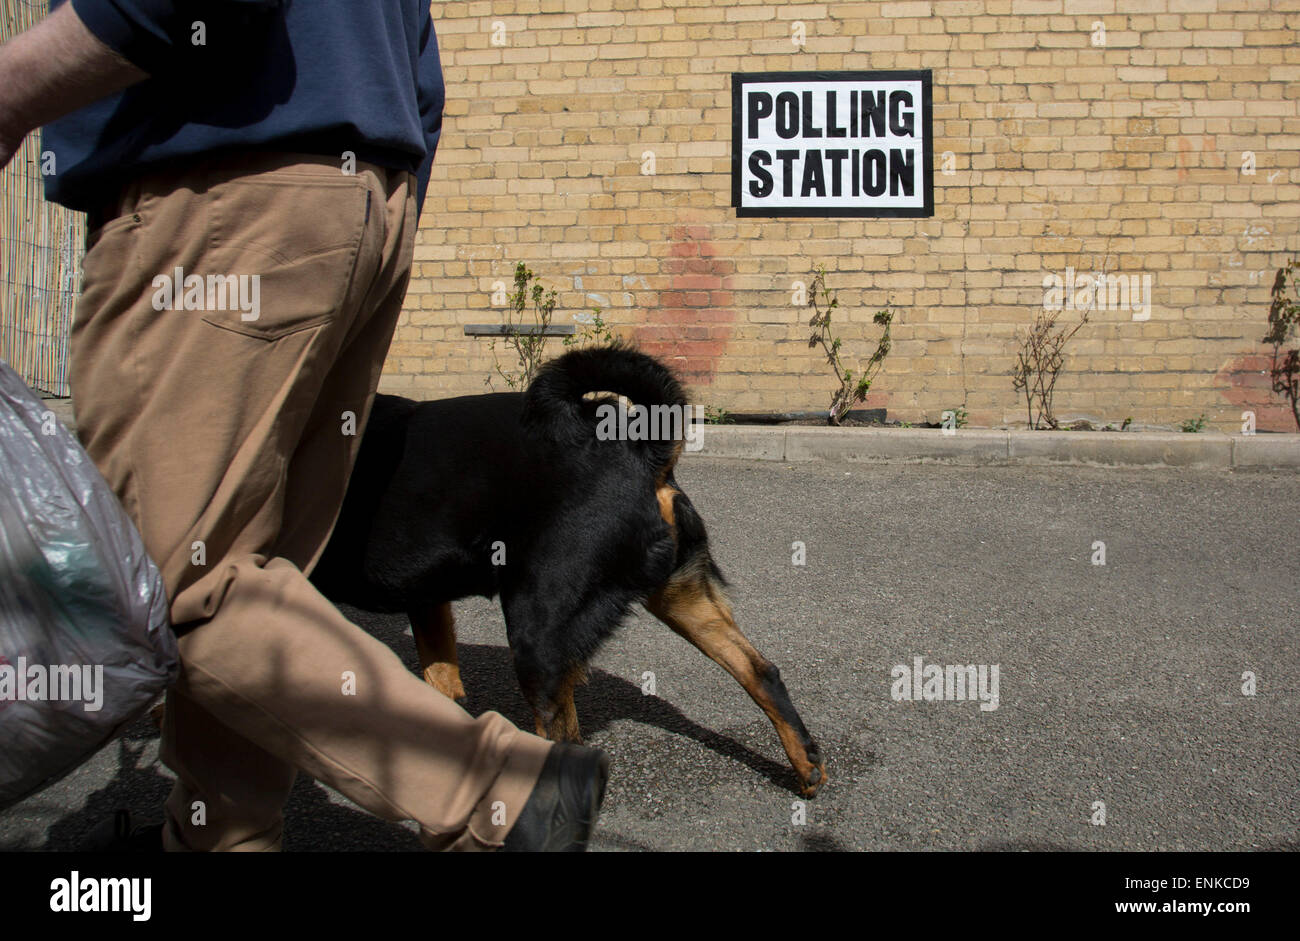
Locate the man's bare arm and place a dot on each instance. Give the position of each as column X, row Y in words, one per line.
column 53, row 68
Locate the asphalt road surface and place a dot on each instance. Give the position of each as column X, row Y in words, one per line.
column 1119, row 684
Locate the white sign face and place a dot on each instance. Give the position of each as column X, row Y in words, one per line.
column 832, row 144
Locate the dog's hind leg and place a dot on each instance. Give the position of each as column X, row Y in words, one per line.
column 551, row 697
column 435, row 640
column 694, row 606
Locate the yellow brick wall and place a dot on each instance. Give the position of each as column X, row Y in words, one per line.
column 1064, row 153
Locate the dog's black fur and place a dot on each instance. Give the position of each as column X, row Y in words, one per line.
column 438, row 484
column 440, row 488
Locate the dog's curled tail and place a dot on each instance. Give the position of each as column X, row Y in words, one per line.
column 554, row 407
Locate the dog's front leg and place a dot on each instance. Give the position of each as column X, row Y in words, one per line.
column 435, row 640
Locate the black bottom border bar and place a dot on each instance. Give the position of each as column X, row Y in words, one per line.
column 942, row 890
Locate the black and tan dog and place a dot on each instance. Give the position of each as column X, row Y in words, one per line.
column 517, row 495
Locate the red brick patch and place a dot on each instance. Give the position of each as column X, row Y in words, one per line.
column 690, row 327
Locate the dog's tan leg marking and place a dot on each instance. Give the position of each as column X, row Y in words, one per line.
column 562, row 724
column 664, row 492
column 697, row 609
column 435, row 640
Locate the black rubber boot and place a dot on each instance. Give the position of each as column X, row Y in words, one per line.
column 561, row 812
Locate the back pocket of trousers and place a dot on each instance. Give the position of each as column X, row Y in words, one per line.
column 281, row 252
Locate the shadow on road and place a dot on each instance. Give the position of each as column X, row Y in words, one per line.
column 136, row 785
column 489, row 679
column 315, row 823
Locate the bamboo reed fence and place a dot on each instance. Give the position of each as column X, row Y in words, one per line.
column 40, row 253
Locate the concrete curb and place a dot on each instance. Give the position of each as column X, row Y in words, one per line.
column 62, row 409
column 976, row 446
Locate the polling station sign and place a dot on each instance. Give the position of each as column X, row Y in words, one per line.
column 832, row 144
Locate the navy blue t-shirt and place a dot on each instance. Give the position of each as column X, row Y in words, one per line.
column 311, row 76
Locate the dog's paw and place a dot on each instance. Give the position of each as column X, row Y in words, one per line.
column 445, row 678
column 811, row 781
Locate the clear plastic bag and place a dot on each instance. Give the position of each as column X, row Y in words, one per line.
column 85, row 641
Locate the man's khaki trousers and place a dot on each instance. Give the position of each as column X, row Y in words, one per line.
column 230, row 334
